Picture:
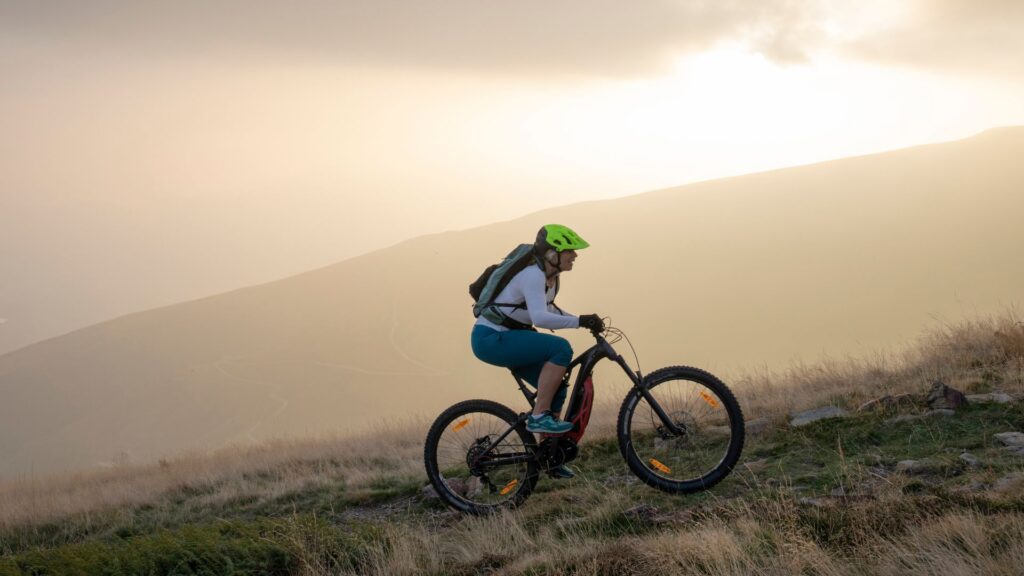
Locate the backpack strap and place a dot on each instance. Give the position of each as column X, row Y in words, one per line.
column 513, row 324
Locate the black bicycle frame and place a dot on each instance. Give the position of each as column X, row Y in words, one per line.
column 586, row 361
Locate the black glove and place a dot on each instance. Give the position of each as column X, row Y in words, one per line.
column 592, row 322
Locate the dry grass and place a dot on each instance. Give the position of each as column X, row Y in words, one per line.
column 262, row 471
column 972, row 356
column 751, row 541
column 767, row 534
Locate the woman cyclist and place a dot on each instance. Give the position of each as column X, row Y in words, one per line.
column 540, row 359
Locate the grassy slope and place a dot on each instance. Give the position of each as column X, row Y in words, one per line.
column 822, row 499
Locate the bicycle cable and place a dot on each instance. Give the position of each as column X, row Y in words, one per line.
column 618, row 335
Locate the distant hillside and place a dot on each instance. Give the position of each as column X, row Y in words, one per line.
column 759, row 270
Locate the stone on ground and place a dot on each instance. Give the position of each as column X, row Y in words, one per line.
column 806, row 417
column 944, row 397
column 991, row 398
column 915, row 466
column 970, row 460
column 1010, row 438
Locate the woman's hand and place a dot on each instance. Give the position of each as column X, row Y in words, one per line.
column 592, row 322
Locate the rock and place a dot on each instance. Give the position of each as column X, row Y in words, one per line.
column 878, row 471
column 838, row 492
column 945, row 412
column 756, row 465
column 912, row 466
column 756, row 426
column 456, row 485
column 474, row 487
column 808, row 416
column 993, row 398
column 642, row 512
column 428, row 492
column 613, row 480
column 1010, row 483
column 970, row 460
column 903, row 418
column 1015, row 450
column 676, row 517
column 1010, row 438
column 943, row 397
column 974, row 486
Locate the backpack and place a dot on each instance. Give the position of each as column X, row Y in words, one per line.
column 494, row 279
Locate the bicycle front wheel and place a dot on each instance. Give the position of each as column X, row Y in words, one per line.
column 708, row 436
column 479, row 458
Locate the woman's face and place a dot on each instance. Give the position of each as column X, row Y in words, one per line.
column 566, row 259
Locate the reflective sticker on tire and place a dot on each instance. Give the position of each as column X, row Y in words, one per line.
column 709, row 399
column 509, row 487
column 660, row 467
column 460, row 424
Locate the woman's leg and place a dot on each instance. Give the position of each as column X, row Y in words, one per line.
column 540, row 359
column 547, row 385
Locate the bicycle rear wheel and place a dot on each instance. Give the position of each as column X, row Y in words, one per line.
column 468, row 476
column 710, row 437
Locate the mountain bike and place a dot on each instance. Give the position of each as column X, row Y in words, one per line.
column 680, row 430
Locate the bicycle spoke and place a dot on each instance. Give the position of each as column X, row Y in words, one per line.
column 463, row 441
column 705, row 431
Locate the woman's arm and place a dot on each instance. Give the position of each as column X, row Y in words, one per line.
column 537, row 306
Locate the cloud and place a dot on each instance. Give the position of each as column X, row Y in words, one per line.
column 603, row 37
column 980, row 36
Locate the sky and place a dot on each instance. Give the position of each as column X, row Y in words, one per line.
column 154, row 152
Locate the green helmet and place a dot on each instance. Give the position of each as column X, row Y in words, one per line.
column 559, row 237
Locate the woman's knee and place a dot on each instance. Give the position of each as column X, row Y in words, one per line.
column 561, row 353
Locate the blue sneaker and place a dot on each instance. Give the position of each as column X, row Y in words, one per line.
column 547, row 424
column 562, row 472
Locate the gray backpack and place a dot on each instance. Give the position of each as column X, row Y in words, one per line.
column 494, row 279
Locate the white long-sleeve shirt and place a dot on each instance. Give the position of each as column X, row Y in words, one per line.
column 530, row 286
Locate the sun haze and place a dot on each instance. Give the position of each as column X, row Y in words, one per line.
column 158, row 152
column 224, row 202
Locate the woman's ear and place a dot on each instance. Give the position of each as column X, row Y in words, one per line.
column 551, row 256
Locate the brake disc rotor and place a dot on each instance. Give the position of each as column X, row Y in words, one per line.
column 684, row 421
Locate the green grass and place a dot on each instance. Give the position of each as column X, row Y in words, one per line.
column 223, row 547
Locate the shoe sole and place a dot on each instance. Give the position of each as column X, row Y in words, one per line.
column 539, row 431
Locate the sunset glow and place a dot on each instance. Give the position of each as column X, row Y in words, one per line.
column 236, row 145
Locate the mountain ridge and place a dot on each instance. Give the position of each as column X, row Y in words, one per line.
column 752, row 270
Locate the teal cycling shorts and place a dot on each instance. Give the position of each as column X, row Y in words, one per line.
column 524, row 352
